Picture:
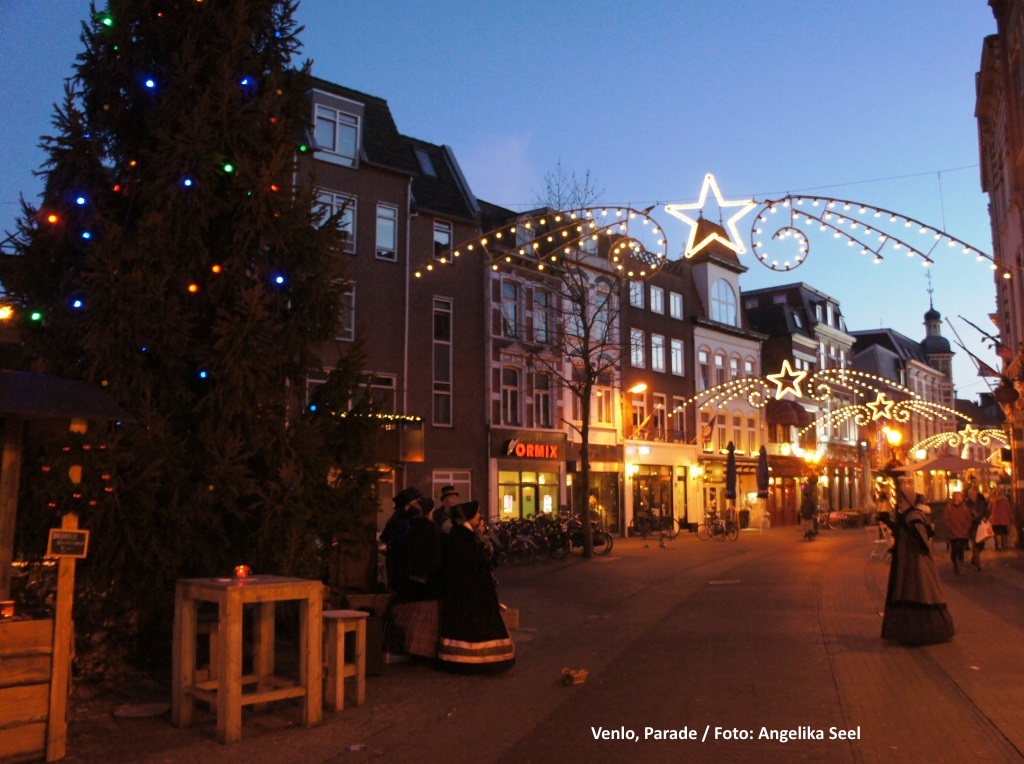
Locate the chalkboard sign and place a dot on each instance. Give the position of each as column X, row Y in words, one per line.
column 65, row 543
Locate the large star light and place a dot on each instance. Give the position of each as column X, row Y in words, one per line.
column 734, row 242
column 881, row 407
column 787, row 381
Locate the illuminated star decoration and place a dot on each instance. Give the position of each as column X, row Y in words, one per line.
column 787, row 380
column 881, row 407
column 734, row 242
column 969, row 434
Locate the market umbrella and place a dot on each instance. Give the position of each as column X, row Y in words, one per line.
column 762, row 473
column 730, row 472
column 946, row 463
column 762, row 484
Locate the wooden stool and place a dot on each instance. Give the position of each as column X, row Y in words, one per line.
column 208, row 628
column 338, row 623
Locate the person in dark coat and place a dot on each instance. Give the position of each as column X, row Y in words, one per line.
column 394, row 534
column 957, row 518
column 978, row 505
column 412, row 620
column 808, row 511
column 915, row 612
column 473, row 635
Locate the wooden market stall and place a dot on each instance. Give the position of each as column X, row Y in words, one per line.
column 35, row 655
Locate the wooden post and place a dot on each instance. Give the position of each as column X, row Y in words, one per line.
column 63, row 642
column 10, row 476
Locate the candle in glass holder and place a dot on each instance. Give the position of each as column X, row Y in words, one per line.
column 242, row 571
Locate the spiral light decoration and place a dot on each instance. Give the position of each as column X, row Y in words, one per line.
column 871, row 230
column 634, row 243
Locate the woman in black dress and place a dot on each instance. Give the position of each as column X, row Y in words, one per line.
column 473, row 635
column 915, row 612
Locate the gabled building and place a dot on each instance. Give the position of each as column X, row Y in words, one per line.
column 806, row 328
column 401, row 200
column 924, row 367
column 687, row 340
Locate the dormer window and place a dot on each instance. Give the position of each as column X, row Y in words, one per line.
column 337, row 125
column 723, row 303
column 426, row 164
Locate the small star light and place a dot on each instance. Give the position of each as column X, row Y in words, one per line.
column 787, row 381
column 881, row 407
column 734, row 242
column 279, row 279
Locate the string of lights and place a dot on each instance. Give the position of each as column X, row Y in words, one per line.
column 538, row 241
column 868, row 227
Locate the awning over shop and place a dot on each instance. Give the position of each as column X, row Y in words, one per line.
column 787, row 413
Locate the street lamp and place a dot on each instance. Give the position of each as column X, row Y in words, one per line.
column 893, row 437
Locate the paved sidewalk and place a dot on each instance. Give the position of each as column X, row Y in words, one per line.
column 768, row 631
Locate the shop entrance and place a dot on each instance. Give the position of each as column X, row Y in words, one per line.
column 652, row 489
column 525, row 494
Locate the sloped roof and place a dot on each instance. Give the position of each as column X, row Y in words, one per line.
column 383, row 145
column 775, row 319
column 715, row 251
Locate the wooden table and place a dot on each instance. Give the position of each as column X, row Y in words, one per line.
column 224, row 691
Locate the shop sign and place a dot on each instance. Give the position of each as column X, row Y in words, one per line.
column 526, row 450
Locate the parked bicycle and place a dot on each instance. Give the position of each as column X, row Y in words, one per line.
column 648, row 522
column 602, row 539
column 717, row 527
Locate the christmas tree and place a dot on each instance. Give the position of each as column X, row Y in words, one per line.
column 173, row 261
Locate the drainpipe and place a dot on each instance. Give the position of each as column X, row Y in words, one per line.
column 405, row 329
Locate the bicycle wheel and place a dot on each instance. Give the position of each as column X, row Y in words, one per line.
column 521, row 551
column 560, row 546
column 732, row 531
column 703, row 531
column 719, row 531
column 603, row 543
column 672, row 529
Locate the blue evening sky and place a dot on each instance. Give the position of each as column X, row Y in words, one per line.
column 871, row 101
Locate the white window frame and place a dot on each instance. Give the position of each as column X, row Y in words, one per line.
column 677, row 359
column 636, row 294
column 543, row 401
column 657, row 298
column 512, row 397
column 723, row 303
column 442, row 228
column 675, row 305
column 637, row 356
column 509, row 310
column 347, row 326
column 542, row 316
column 334, row 201
column 657, row 352
column 329, row 148
column 443, row 379
column 387, row 213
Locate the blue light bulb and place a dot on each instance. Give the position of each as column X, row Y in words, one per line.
column 86, row 235
column 279, row 280
column 80, row 200
column 202, row 375
column 312, row 407
column 76, row 304
column 150, row 84
column 187, row 183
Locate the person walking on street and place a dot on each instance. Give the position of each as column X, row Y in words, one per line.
column 915, row 611
column 807, row 513
column 957, row 519
column 1002, row 516
column 979, row 511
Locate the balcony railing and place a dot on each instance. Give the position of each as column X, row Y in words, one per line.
column 653, row 434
